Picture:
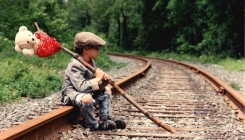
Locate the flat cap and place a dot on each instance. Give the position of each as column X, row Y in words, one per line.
column 87, row 39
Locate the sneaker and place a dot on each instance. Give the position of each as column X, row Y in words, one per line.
column 94, row 127
column 120, row 124
column 107, row 125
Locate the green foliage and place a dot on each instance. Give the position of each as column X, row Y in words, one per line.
column 103, row 61
column 29, row 80
column 205, row 27
column 154, row 36
column 11, row 15
column 78, row 15
column 119, row 21
column 232, row 64
column 51, row 18
column 49, row 14
column 234, row 86
column 26, row 80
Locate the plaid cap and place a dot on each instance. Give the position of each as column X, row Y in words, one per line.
column 87, row 39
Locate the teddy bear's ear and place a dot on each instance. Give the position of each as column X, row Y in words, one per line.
column 22, row 28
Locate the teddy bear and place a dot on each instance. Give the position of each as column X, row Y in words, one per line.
column 39, row 43
column 26, row 42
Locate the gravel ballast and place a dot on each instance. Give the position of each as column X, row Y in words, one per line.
column 225, row 75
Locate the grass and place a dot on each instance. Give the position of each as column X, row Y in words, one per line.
column 232, row 64
column 234, row 86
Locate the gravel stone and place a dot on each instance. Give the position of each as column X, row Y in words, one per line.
column 224, row 75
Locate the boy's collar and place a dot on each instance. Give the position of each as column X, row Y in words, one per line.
column 88, row 61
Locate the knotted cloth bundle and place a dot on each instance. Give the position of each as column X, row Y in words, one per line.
column 47, row 46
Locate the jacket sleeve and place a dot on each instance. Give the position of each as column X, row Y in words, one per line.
column 82, row 79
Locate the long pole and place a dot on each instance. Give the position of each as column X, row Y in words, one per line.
column 124, row 94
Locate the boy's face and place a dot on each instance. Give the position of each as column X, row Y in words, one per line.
column 93, row 52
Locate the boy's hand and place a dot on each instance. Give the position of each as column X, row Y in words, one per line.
column 99, row 74
column 106, row 78
column 105, row 81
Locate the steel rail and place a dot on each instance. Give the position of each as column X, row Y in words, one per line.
column 55, row 121
column 231, row 96
column 38, row 127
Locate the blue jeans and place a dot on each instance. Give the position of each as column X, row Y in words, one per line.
column 87, row 110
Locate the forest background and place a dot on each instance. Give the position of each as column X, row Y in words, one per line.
column 208, row 30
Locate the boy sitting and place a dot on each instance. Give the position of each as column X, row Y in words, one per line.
column 84, row 89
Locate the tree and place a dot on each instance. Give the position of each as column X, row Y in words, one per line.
column 78, row 15
column 156, row 34
column 12, row 17
column 119, row 20
column 206, row 27
column 50, row 17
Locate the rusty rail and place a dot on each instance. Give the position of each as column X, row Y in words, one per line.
column 41, row 126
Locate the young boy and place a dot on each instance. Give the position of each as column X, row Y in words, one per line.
column 84, row 89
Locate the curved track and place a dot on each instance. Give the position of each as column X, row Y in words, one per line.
column 176, row 96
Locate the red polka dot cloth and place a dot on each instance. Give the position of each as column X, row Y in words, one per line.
column 47, row 46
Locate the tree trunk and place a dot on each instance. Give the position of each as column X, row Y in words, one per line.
column 119, row 31
column 124, row 37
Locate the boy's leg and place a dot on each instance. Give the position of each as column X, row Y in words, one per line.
column 104, row 102
column 88, row 114
column 105, row 123
column 87, row 111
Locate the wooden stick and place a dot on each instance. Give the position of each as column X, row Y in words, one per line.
column 124, row 94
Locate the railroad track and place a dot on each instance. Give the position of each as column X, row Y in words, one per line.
column 174, row 92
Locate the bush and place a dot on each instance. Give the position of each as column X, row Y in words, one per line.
column 21, row 79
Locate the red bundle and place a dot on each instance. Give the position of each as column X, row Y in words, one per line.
column 47, row 45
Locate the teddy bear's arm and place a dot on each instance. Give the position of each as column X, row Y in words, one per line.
column 17, row 48
column 28, row 52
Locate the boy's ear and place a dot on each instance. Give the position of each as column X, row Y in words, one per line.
column 85, row 49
